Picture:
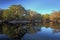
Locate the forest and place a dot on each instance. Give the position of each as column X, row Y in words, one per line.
column 19, row 13
column 36, row 20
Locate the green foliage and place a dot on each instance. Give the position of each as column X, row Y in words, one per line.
column 55, row 16
column 17, row 12
column 14, row 12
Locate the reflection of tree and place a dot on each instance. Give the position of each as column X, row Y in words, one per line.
column 46, row 25
column 36, row 27
column 56, row 30
column 18, row 30
column 52, row 25
column 8, row 30
column 13, row 31
column 1, row 29
column 32, row 29
column 56, row 27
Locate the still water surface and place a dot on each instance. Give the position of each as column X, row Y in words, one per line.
column 44, row 32
column 35, row 31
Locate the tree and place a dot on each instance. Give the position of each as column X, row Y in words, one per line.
column 5, row 14
column 32, row 15
column 18, row 11
column 14, row 12
column 55, row 16
column 46, row 17
column 1, row 11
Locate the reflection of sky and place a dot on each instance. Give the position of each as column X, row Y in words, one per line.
column 44, row 34
column 41, row 6
column 4, row 37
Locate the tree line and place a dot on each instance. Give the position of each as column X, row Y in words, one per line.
column 18, row 12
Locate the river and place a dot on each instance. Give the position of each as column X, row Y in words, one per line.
column 33, row 31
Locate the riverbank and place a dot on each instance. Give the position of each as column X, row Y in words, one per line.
column 26, row 22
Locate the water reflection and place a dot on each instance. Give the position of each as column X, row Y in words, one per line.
column 12, row 31
column 32, row 31
column 47, row 31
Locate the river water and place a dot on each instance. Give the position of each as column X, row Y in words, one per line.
column 43, row 32
column 36, row 31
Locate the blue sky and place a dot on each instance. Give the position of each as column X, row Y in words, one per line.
column 40, row 6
